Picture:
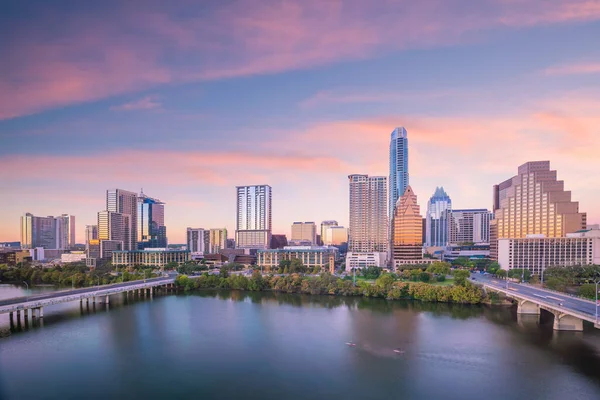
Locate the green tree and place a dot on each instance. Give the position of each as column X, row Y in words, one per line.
column 439, row 268
column 385, row 282
column 460, row 277
column 587, row 290
column 501, row 273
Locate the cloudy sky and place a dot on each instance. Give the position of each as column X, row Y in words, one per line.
column 188, row 99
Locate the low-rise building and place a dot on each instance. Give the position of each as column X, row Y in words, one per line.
column 537, row 252
column 470, row 251
column 311, row 256
column 150, row 257
column 74, row 256
column 363, row 260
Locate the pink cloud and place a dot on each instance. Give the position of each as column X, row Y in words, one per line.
column 574, row 69
column 145, row 103
column 91, row 57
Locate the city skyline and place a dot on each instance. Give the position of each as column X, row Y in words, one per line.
column 75, row 121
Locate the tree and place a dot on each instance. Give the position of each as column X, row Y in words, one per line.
column 523, row 274
column 460, row 277
column 493, row 267
column 587, row 290
column 439, row 268
column 425, row 277
column 385, row 282
column 501, row 273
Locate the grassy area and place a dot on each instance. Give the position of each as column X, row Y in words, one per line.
column 447, row 282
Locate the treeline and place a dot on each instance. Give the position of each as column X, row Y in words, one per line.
column 577, row 277
column 386, row 286
column 75, row 274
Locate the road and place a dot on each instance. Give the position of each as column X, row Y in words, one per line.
column 52, row 295
column 567, row 301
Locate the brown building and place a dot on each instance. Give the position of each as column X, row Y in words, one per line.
column 407, row 232
column 533, row 202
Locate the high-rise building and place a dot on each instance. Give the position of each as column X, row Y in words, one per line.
column 398, row 179
column 324, row 226
column 437, row 218
column 115, row 227
column 253, row 217
column 152, row 232
column 91, row 233
column 469, row 226
column 304, row 232
column 125, row 203
column 48, row 232
column 407, row 229
column 533, row 202
column 335, row 236
column 198, row 241
column 368, row 231
column 217, row 240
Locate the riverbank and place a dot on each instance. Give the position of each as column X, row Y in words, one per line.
column 384, row 287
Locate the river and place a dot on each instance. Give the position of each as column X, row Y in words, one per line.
column 227, row 345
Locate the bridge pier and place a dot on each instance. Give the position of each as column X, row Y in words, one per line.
column 106, row 301
column 565, row 322
column 528, row 307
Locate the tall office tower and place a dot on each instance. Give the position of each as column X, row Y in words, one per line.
column 114, row 226
column 152, row 232
column 469, row 226
column 217, row 240
column 533, row 202
column 408, row 228
column 368, row 231
column 335, row 236
column 398, row 167
column 253, row 217
column 65, row 232
column 91, row 233
column 437, row 218
column 198, row 240
column 126, row 203
column 304, row 232
column 38, row 232
column 324, row 226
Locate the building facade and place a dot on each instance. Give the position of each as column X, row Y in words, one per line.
column 536, row 253
column 364, row 260
column 152, row 232
column 437, row 218
column 125, row 203
column 533, row 202
column 368, row 230
column 304, row 232
column 324, row 226
column 398, row 179
column 335, row 236
column 311, row 256
column 91, row 233
column 407, row 229
column 217, row 240
column 469, row 226
column 48, row 232
column 150, row 257
column 115, row 227
column 278, row 241
column 253, row 217
column 198, row 241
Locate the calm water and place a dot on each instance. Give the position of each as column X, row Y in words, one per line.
column 227, row 345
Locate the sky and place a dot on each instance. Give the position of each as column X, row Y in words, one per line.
column 189, row 99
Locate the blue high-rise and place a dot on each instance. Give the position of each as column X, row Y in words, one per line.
column 398, row 181
column 152, row 232
column 438, row 208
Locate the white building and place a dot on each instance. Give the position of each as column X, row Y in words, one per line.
column 368, row 230
column 335, row 236
column 363, row 260
column 253, row 217
column 198, row 241
column 74, row 256
column 304, row 232
column 537, row 252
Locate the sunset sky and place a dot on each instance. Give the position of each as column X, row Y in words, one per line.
column 187, row 99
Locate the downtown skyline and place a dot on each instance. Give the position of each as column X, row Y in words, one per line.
column 478, row 99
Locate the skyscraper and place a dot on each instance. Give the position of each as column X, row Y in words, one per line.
column 126, row 203
column 407, row 229
column 152, row 232
column 114, row 226
column 253, row 217
column 533, row 202
column 335, row 236
column 368, row 231
column 398, row 179
column 437, row 218
column 469, row 226
column 324, row 226
column 217, row 240
column 48, row 232
column 304, row 232
column 198, row 241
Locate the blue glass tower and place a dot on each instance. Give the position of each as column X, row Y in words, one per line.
column 398, row 181
column 152, row 232
column 438, row 208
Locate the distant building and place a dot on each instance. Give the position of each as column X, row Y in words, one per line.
column 335, row 236
column 14, row 257
column 533, row 202
column 278, row 241
column 437, row 218
column 476, row 251
column 324, row 226
column 304, row 232
column 311, row 256
column 72, row 257
column 108, row 246
column 536, row 252
column 469, row 226
column 152, row 232
column 10, row 245
column 368, row 231
column 217, row 240
column 119, row 201
column 93, row 249
column 198, row 241
column 363, row 260
column 253, row 217
column 150, row 257
column 230, row 243
column 407, row 229
column 48, row 232
column 91, row 233
column 399, row 177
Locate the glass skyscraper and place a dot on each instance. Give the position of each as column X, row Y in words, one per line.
column 438, row 208
column 152, row 232
column 253, row 217
column 398, row 180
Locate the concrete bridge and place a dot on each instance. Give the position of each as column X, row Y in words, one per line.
column 569, row 312
column 35, row 304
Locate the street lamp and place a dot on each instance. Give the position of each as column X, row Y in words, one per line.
column 596, row 282
column 26, row 285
